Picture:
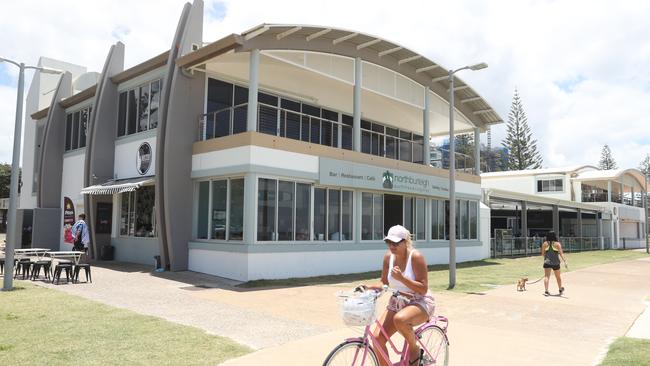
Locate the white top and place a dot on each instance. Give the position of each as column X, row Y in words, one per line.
column 407, row 273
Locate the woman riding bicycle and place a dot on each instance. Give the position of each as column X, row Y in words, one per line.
column 404, row 269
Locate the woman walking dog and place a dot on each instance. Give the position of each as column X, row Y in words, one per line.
column 552, row 251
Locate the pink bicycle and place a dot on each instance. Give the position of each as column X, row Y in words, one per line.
column 358, row 309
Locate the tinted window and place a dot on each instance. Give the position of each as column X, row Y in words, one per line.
column 121, row 115
column 219, row 95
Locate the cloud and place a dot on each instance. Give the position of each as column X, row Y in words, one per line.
column 581, row 67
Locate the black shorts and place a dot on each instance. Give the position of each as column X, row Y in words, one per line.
column 555, row 268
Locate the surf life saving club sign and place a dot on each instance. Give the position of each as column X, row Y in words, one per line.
column 340, row 173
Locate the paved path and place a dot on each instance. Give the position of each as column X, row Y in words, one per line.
column 299, row 326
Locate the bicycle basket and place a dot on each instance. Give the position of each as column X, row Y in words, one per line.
column 357, row 309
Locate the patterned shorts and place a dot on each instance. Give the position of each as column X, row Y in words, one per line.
column 424, row 302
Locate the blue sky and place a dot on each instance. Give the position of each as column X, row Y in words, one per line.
column 582, row 84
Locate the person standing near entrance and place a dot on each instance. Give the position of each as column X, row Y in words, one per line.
column 80, row 234
column 552, row 251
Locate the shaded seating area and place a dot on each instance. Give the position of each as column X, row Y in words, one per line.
column 44, row 264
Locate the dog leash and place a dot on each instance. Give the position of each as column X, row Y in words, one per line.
column 534, row 282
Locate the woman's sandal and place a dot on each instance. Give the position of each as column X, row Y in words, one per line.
column 561, row 290
column 546, row 293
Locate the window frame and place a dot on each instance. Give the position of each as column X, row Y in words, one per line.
column 209, row 221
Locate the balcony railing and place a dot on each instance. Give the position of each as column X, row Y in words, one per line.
column 522, row 246
column 278, row 121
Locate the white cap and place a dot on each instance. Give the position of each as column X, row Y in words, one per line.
column 397, row 233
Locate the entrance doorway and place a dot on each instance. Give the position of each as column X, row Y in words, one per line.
column 393, row 211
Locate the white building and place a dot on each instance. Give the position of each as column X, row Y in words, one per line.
column 585, row 205
column 282, row 151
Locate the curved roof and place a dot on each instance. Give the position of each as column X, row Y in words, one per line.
column 354, row 44
column 560, row 170
column 611, row 174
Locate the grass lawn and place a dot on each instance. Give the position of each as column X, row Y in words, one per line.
column 628, row 351
column 477, row 276
column 40, row 326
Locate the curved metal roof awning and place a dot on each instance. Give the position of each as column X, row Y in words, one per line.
column 117, row 186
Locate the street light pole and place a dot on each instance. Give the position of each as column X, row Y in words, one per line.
column 12, row 229
column 645, row 213
column 452, row 174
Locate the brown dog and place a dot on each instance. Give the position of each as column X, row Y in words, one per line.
column 521, row 284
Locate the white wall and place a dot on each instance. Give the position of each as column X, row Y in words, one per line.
column 527, row 184
column 256, row 155
column 71, row 185
column 253, row 266
column 126, row 153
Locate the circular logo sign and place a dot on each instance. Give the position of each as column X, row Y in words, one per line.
column 143, row 161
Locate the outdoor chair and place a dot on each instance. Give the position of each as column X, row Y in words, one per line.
column 2, row 265
column 36, row 269
column 23, row 267
column 77, row 269
column 58, row 269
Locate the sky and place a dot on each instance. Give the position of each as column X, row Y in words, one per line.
column 582, row 68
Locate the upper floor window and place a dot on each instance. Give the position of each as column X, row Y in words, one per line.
column 138, row 109
column 76, row 125
column 550, row 185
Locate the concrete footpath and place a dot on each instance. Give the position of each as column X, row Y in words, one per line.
column 300, row 325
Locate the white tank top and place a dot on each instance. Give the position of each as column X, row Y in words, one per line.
column 407, row 273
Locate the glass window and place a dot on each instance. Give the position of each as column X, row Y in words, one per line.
column 346, row 137
column 154, row 104
column 408, row 214
column 239, row 122
column 420, row 219
column 143, row 108
column 267, row 99
column 473, row 220
column 221, row 123
column 308, row 109
column 219, row 95
column 292, row 125
column 241, row 95
column 291, row 105
column 132, row 112
column 437, row 220
column 285, row 210
column 329, row 115
column 203, row 207
column 68, row 132
column 303, row 211
column 333, row 213
column 365, row 142
column 83, row 126
column 268, row 120
column 121, row 115
column 391, row 147
column 236, row 226
column 320, row 213
column 347, row 215
column 464, row 217
column 124, row 214
column 366, row 216
column 405, row 153
column 144, row 213
column 75, row 131
column 378, row 217
column 219, row 209
column 326, row 133
column 315, row 130
column 266, row 198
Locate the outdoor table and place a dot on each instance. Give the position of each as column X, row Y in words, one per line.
column 74, row 255
column 38, row 252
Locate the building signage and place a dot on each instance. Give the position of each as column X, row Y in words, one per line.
column 342, row 173
column 143, row 160
column 68, row 220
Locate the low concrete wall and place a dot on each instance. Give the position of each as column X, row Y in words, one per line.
column 250, row 263
column 135, row 250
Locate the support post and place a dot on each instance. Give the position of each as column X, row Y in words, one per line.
column 253, row 85
column 599, row 222
column 579, row 222
column 426, row 143
column 524, row 225
column 12, row 229
column 452, row 186
column 356, row 106
column 609, row 191
column 556, row 220
column 250, row 207
column 477, row 151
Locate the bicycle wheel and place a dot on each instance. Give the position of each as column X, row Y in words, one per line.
column 437, row 348
column 350, row 353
